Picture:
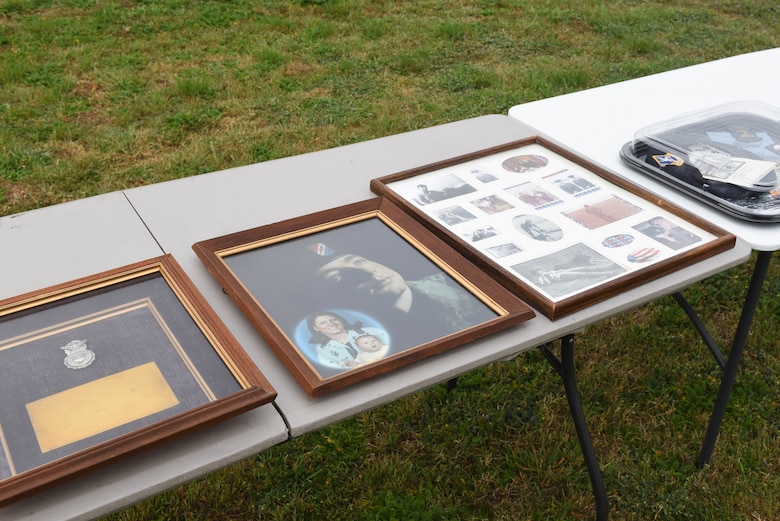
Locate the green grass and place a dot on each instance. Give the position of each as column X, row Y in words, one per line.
column 146, row 91
column 98, row 96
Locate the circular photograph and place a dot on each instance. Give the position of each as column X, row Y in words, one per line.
column 537, row 228
column 524, row 163
column 341, row 339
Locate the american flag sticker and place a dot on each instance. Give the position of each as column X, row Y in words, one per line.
column 321, row 249
column 616, row 241
column 643, row 255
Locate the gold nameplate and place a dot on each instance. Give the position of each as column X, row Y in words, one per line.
column 95, row 407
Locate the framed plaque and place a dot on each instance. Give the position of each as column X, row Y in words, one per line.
column 560, row 231
column 356, row 291
column 107, row 365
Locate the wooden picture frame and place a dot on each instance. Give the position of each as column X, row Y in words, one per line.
column 561, row 232
column 105, row 366
column 352, row 268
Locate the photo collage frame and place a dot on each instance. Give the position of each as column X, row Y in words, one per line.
column 562, row 232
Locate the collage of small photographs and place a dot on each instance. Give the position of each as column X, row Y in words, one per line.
column 548, row 221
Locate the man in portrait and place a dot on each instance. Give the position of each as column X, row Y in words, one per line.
column 365, row 268
column 423, row 308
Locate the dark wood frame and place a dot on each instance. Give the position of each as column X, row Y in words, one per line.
column 509, row 310
column 254, row 389
column 556, row 309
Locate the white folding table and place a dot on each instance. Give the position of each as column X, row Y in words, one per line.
column 598, row 122
column 183, row 212
column 62, row 242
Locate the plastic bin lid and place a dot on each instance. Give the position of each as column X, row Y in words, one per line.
column 728, row 156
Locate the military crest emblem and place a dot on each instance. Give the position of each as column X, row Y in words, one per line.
column 78, row 356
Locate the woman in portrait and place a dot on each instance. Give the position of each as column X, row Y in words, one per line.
column 334, row 339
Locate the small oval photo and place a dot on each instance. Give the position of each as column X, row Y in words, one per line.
column 341, row 339
column 537, row 228
column 616, row 241
column 524, row 163
column 643, row 255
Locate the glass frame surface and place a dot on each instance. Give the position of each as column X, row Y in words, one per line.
column 356, row 291
column 105, row 366
column 561, row 232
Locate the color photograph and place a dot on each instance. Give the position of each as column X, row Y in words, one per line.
column 340, row 299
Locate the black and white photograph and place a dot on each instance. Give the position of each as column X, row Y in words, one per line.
column 569, row 270
column 667, row 233
column 571, row 183
column 442, row 188
column 483, row 176
column 453, row 215
column 537, row 228
column 503, row 250
column 480, row 233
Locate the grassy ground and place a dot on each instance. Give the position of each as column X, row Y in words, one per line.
column 97, row 96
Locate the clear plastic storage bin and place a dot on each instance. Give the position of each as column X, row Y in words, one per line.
column 726, row 156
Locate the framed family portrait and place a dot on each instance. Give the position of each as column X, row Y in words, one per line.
column 356, row 291
column 560, row 231
column 105, row 366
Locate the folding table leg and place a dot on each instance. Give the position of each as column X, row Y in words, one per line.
column 565, row 368
column 732, row 363
column 729, row 365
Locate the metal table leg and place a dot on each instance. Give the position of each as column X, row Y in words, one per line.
column 732, row 363
column 565, row 368
column 729, row 365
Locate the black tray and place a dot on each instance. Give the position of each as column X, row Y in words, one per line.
column 733, row 130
